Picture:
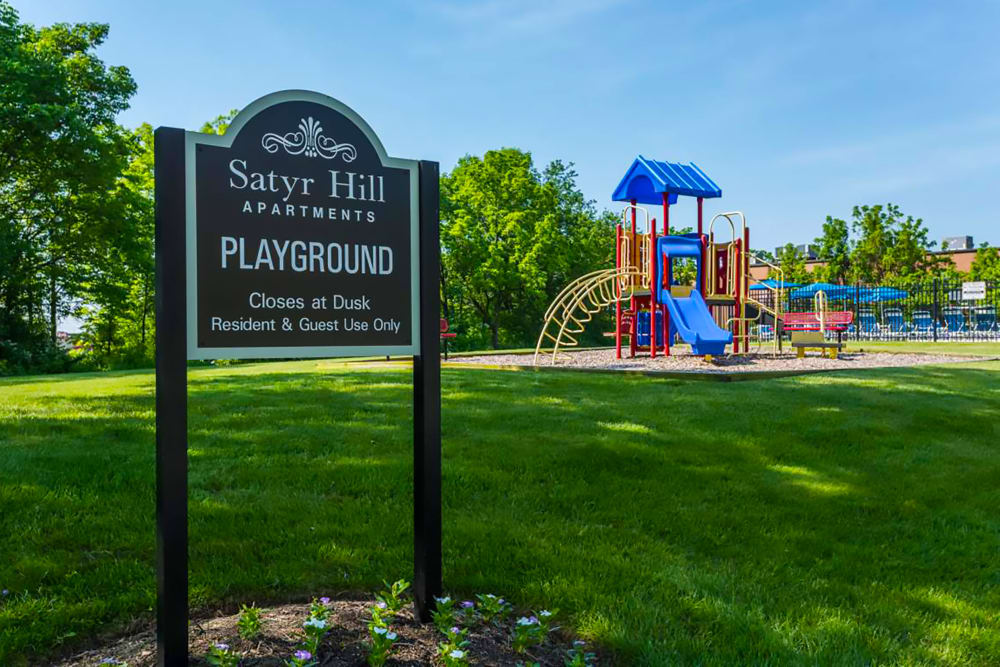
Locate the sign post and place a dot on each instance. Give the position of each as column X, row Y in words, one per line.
column 293, row 234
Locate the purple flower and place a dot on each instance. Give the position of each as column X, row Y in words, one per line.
column 303, row 655
column 222, row 647
column 533, row 619
column 455, row 629
column 324, row 600
column 468, row 604
column 5, row 593
column 380, row 604
column 579, row 642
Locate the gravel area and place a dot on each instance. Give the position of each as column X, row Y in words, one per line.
column 687, row 363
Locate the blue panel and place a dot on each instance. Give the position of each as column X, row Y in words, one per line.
column 642, row 328
column 647, row 180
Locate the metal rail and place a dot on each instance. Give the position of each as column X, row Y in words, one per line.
column 577, row 304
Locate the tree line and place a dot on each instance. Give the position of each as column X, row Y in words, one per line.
column 76, row 216
column 879, row 244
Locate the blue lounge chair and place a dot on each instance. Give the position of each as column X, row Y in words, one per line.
column 986, row 319
column 922, row 325
column 954, row 322
column 895, row 325
column 867, row 324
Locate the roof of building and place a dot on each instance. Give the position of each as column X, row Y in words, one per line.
column 647, row 180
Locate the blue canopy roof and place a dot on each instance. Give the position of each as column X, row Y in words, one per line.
column 647, row 180
column 772, row 283
column 879, row 294
column 832, row 291
column 864, row 294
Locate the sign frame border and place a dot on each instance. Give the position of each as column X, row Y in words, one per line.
column 171, row 394
column 191, row 142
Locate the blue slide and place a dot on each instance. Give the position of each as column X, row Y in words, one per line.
column 689, row 316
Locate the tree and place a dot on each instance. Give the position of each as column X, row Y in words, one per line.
column 511, row 239
column 220, row 124
column 835, row 251
column 765, row 255
column 890, row 246
column 119, row 288
column 60, row 153
column 986, row 265
column 792, row 264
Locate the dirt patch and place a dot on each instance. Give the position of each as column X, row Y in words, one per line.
column 684, row 362
column 344, row 646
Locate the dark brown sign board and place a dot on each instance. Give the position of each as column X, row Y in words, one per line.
column 292, row 235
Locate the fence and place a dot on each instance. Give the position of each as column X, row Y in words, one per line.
column 935, row 310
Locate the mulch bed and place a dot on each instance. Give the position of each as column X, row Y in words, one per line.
column 344, row 646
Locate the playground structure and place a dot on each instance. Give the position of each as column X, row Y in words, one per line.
column 652, row 309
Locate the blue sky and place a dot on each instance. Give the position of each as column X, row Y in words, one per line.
column 796, row 109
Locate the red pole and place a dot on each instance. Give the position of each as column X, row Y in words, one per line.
column 666, row 315
column 738, row 324
column 633, row 261
column 652, row 289
column 618, row 293
column 704, row 248
column 745, row 267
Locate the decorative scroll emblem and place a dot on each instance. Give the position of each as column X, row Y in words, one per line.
column 309, row 141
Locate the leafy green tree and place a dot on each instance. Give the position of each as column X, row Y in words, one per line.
column 792, row 264
column 986, row 265
column 835, row 251
column 119, row 289
column 512, row 237
column 220, row 124
column 890, row 246
column 60, row 154
column 765, row 255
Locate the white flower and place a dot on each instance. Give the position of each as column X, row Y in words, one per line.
column 524, row 621
column 545, row 612
column 391, row 636
column 491, row 596
column 318, row 623
column 444, row 600
column 457, row 654
column 379, row 630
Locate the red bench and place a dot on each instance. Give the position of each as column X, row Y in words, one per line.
column 835, row 320
column 445, row 335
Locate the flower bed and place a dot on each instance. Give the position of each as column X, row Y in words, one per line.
column 342, row 632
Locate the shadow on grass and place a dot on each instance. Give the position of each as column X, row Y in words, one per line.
column 846, row 518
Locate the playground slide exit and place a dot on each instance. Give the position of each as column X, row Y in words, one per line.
column 693, row 321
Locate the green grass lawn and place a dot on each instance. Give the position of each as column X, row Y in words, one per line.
column 851, row 518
